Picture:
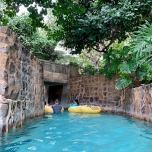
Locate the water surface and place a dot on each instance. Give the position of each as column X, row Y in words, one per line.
column 69, row 132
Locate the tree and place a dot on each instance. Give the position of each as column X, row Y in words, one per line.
column 86, row 65
column 36, row 42
column 12, row 7
column 93, row 56
column 90, row 63
column 96, row 25
column 50, row 20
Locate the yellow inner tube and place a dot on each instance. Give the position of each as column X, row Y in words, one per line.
column 48, row 109
column 85, row 109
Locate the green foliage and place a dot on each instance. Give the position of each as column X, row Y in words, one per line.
column 22, row 25
column 144, row 73
column 3, row 16
column 43, row 48
column 123, row 82
column 127, row 67
column 86, row 66
column 12, row 7
column 118, row 60
column 50, row 20
column 38, row 43
column 141, row 46
column 142, row 43
column 96, row 25
column 91, row 25
column 88, row 70
column 67, row 58
column 2, row 8
column 88, row 63
column 133, row 60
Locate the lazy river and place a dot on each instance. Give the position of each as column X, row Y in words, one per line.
column 70, row 132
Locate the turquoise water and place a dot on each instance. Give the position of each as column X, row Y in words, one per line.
column 69, row 132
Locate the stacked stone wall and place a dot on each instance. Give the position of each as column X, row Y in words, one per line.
column 21, row 82
column 98, row 90
column 138, row 102
column 95, row 90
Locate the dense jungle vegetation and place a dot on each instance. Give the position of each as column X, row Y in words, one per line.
column 101, row 36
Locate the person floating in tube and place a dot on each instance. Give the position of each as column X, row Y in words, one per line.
column 75, row 103
column 56, row 107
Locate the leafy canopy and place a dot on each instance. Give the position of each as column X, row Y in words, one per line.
column 35, row 41
column 89, row 25
column 12, row 7
column 96, row 25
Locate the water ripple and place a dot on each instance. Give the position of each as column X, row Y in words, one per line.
column 79, row 133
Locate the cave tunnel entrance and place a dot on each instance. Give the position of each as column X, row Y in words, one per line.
column 56, row 91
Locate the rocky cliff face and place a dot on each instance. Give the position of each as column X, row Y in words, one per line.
column 138, row 102
column 21, row 82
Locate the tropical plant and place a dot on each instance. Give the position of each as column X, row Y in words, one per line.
column 132, row 62
column 120, row 62
column 142, row 48
column 142, row 44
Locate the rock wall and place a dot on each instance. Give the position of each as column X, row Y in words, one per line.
column 138, row 102
column 98, row 90
column 21, row 82
column 95, row 90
